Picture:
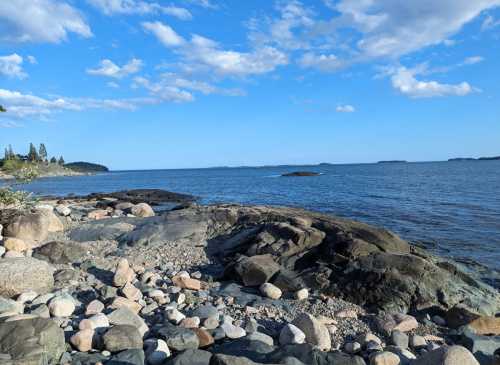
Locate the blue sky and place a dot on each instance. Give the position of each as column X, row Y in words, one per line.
column 197, row 83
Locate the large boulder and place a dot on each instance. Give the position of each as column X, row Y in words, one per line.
column 445, row 355
column 316, row 332
column 256, row 270
column 28, row 339
column 34, row 227
column 19, row 275
column 58, row 252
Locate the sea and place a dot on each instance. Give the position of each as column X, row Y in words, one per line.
column 451, row 208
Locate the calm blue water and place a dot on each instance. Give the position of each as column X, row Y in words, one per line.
column 454, row 207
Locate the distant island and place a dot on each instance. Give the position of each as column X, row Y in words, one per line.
column 301, row 173
column 494, row 158
column 86, row 167
column 393, row 161
column 36, row 163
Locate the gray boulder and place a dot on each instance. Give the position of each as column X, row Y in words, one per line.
column 122, row 337
column 22, row 274
column 28, row 339
column 58, row 252
column 192, row 357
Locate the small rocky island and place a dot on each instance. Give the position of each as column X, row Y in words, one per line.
column 104, row 279
column 301, row 173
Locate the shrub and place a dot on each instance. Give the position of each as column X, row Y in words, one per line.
column 10, row 198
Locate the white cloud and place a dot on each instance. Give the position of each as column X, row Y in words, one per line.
column 10, row 124
column 11, row 66
column 32, row 60
column 128, row 7
column 175, row 88
column 393, row 28
column 489, row 23
column 203, row 3
column 404, row 80
column 345, row 109
column 109, row 69
column 164, row 33
column 204, row 53
column 21, row 105
column 164, row 91
column 112, row 84
column 322, row 62
column 40, row 21
column 473, row 60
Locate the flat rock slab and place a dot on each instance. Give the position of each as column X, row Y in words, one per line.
column 22, row 274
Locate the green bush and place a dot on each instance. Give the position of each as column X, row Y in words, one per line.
column 10, row 198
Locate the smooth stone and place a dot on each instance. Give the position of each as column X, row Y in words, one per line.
column 417, row 342
column 122, row 337
column 174, row 315
column 453, row 355
column 385, row 358
column 94, row 307
column 192, row 357
column 99, row 320
column 316, row 333
column 302, row 294
column 15, row 244
column 157, row 351
column 262, row 337
column 179, row 338
column 124, row 316
column 61, row 307
column 131, row 292
column 204, row 337
column 123, row 273
column 270, row 291
column 400, row 339
column 232, row 331
column 82, row 340
column 121, row 302
column 291, row 334
column 352, row 347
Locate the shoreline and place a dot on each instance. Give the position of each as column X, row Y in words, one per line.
column 229, row 279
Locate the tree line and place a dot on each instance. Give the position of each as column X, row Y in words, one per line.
column 34, row 155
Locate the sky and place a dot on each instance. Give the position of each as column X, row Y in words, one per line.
column 139, row 84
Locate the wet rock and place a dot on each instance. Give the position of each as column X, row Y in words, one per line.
column 18, row 275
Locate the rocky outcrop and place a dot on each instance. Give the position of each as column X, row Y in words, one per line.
column 33, row 227
column 364, row 264
column 19, row 275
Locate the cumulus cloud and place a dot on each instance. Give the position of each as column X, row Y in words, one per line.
column 164, row 33
column 165, row 92
column 11, row 66
column 473, row 60
column 345, row 109
column 204, row 53
column 128, row 7
column 109, row 69
column 40, row 21
column 393, row 28
column 404, row 80
column 20, row 105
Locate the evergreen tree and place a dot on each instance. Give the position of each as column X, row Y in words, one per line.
column 12, row 155
column 2, row 109
column 6, row 155
column 61, row 161
column 33, row 154
column 42, row 153
column 53, row 160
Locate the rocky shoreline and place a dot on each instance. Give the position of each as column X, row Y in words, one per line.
column 104, row 279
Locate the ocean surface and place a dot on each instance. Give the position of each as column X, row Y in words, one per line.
column 453, row 208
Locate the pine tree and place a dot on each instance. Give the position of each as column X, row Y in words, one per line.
column 61, row 161
column 53, row 160
column 6, row 155
column 12, row 155
column 33, row 154
column 42, row 153
column 2, row 109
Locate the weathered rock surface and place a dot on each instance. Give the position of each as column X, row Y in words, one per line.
column 34, row 227
column 32, row 338
column 58, row 252
column 452, row 355
column 18, row 275
column 363, row 264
